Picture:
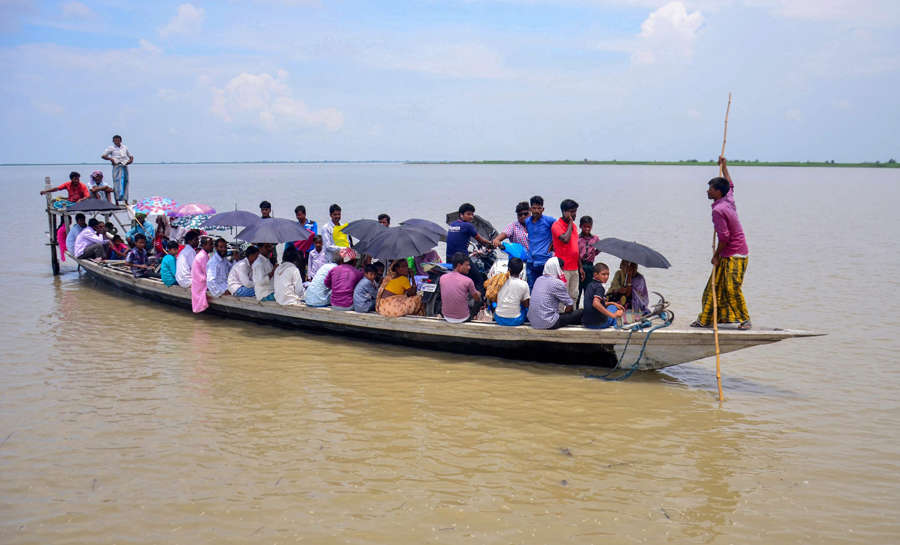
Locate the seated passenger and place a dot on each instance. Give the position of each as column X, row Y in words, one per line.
column 117, row 248
column 137, row 258
column 366, row 290
column 513, row 297
column 317, row 293
column 74, row 230
column 460, row 301
column 186, row 258
column 547, row 295
column 91, row 243
column 240, row 278
column 168, row 268
column 397, row 295
column 343, row 279
column 317, row 257
column 629, row 287
column 288, row 280
column 598, row 313
column 76, row 191
column 262, row 273
column 218, row 269
column 141, row 226
column 97, row 188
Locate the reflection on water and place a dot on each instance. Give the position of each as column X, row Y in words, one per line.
column 122, row 420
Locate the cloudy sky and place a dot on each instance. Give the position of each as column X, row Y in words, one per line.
column 455, row 79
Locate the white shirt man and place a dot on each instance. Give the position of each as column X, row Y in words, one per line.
column 512, row 294
column 117, row 154
column 183, row 266
column 262, row 281
column 217, row 272
column 86, row 238
column 240, row 276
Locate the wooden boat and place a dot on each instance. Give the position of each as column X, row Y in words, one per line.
column 572, row 345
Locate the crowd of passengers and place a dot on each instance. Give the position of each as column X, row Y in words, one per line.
column 325, row 271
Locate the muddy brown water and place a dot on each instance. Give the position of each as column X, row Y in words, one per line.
column 126, row 421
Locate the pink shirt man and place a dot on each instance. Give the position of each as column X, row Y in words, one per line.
column 728, row 226
column 198, row 281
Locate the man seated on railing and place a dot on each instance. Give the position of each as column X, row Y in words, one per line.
column 76, row 190
column 137, row 258
column 91, row 243
column 548, row 295
column 186, row 258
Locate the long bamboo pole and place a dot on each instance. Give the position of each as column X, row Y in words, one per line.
column 715, row 267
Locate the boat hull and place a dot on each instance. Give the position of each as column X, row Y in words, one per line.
column 570, row 345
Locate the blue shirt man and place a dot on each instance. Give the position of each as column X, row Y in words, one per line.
column 461, row 231
column 540, row 239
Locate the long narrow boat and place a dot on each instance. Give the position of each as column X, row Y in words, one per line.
column 576, row 345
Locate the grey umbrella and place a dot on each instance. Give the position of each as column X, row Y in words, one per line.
column 482, row 225
column 633, row 251
column 427, row 226
column 234, row 218
column 274, row 230
column 92, row 205
column 364, row 229
column 399, row 242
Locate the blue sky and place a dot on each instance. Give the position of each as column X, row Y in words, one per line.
column 467, row 79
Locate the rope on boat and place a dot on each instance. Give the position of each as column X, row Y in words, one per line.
column 666, row 316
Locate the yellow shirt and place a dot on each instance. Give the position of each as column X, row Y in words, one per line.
column 340, row 239
column 398, row 286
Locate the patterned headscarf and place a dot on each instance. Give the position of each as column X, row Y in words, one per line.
column 347, row 254
column 96, row 175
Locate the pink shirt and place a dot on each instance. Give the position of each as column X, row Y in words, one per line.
column 728, row 226
column 198, row 282
column 455, row 289
column 342, row 280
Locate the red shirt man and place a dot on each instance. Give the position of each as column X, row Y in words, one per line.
column 565, row 245
column 77, row 191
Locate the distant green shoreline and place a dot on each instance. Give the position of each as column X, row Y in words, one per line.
column 691, row 162
column 731, row 162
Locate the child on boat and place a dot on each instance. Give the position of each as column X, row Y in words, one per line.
column 167, row 270
column 598, row 312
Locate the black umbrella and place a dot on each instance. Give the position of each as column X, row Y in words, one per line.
column 234, row 218
column 482, row 225
column 274, row 230
column 427, row 226
column 364, row 229
column 92, row 205
column 634, row 252
column 399, row 242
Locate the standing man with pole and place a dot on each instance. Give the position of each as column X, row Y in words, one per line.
column 119, row 156
column 729, row 258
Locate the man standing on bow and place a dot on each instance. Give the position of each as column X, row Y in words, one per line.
column 729, row 258
column 119, row 156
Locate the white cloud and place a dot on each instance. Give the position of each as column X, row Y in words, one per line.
column 188, row 19
column 265, row 101
column 462, row 60
column 667, row 34
column 872, row 12
column 147, row 46
column 49, row 108
column 77, row 10
column 793, row 115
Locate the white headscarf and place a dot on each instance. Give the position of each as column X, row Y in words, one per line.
column 552, row 268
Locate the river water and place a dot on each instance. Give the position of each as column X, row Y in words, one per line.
column 126, row 421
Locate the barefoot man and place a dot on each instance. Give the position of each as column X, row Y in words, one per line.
column 729, row 259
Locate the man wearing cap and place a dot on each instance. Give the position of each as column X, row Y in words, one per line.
column 96, row 186
column 141, row 226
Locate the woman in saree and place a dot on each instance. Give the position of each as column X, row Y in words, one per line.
column 629, row 287
column 397, row 295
